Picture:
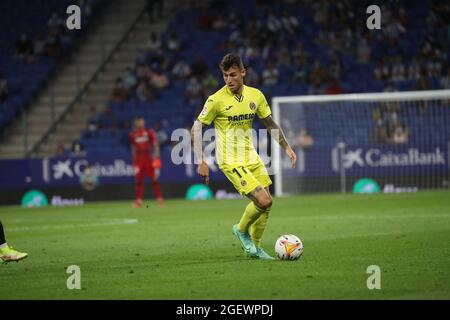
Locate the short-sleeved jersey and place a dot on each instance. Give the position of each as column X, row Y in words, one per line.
column 233, row 116
column 142, row 140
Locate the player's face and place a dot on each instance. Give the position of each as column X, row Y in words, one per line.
column 234, row 78
column 140, row 123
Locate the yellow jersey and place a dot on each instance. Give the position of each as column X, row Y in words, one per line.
column 233, row 116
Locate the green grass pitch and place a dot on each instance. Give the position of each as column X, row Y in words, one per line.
column 186, row 250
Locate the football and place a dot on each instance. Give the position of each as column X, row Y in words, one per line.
column 289, row 247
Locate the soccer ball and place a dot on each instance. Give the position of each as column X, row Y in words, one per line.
column 289, row 247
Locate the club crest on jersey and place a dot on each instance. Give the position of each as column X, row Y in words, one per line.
column 252, row 105
column 243, row 183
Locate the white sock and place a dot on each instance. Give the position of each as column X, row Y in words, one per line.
column 3, row 246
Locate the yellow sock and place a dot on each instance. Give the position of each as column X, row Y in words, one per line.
column 256, row 230
column 250, row 215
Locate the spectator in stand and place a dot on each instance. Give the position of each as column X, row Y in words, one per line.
column 77, row 150
column 270, row 74
column 381, row 72
column 334, row 87
column 380, row 134
column 289, row 22
column 219, row 23
column 193, row 93
column 304, row 140
column 53, row 46
column 364, row 51
column 181, row 69
column 144, row 91
column 119, row 91
column 173, row 43
column 414, row 69
column 3, row 88
column 159, row 80
column 153, row 43
column 318, row 75
column 24, row 48
column 55, row 24
column 252, row 77
column 399, row 134
column 205, row 20
column 398, row 70
column 199, row 68
column 129, row 79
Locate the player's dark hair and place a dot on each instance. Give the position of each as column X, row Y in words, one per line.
column 231, row 60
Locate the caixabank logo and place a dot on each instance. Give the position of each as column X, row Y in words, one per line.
column 68, row 168
column 375, row 157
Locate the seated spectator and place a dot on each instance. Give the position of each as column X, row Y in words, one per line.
column 144, row 91
column 270, row 74
column 3, row 88
column 129, row 79
column 304, row 140
column 193, row 93
column 24, row 48
column 77, row 150
column 119, row 92
column 399, row 134
column 53, row 46
column 318, row 74
column 55, row 24
column 143, row 71
column 380, row 134
column 363, row 51
column 334, row 87
column 219, row 23
column 159, row 80
column 252, row 77
column 205, row 20
column 199, row 68
column 153, row 43
column 299, row 72
column 181, row 69
column 173, row 43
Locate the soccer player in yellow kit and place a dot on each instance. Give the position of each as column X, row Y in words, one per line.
column 232, row 110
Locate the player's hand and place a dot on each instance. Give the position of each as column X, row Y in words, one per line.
column 291, row 154
column 157, row 163
column 203, row 171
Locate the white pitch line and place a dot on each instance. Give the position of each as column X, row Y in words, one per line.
column 71, row 226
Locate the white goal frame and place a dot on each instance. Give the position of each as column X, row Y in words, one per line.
column 372, row 97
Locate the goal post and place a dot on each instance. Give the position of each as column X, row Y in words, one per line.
column 363, row 142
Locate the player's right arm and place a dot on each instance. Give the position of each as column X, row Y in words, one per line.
column 206, row 117
column 196, row 136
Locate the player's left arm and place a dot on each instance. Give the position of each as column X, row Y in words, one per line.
column 277, row 133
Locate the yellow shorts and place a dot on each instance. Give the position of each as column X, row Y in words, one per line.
column 247, row 178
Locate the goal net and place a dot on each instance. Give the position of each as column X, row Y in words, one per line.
column 370, row 142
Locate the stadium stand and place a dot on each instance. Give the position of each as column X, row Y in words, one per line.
column 26, row 65
column 309, row 57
